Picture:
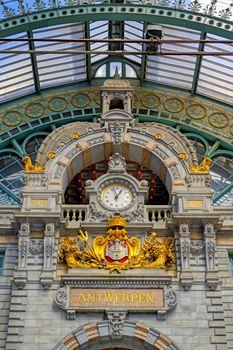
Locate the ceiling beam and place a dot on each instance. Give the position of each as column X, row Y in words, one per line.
column 143, row 59
column 34, row 62
column 198, row 63
column 88, row 48
column 124, row 53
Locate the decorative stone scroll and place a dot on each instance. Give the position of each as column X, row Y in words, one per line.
column 46, row 277
column 74, row 299
column 186, row 275
column 20, row 278
column 212, row 278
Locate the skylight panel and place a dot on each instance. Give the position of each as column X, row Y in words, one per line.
column 174, row 70
column 98, row 30
column 15, row 70
column 133, row 31
column 56, row 69
column 216, row 76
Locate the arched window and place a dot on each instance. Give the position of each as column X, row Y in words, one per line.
column 116, row 103
column 107, row 70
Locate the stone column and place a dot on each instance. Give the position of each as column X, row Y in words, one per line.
column 20, row 278
column 212, row 278
column 186, row 277
column 47, row 277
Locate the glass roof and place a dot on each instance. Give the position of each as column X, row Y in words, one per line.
column 31, row 72
column 25, row 73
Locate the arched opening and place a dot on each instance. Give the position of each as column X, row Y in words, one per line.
column 116, row 103
column 98, row 336
column 75, row 193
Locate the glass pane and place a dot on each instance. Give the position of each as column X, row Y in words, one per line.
column 130, row 72
column 61, row 68
column 15, row 70
column 174, row 70
column 216, row 75
column 113, row 66
column 101, row 71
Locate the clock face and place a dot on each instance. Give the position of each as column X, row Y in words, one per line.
column 116, row 196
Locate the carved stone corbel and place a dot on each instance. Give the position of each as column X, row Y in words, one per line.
column 46, row 277
column 20, row 278
column 212, row 278
column 116, row 323
column 186, row 277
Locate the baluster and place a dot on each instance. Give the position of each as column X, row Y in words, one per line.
column 80, row 215
column 159, row 215
column 73, row 215
column 153, row 216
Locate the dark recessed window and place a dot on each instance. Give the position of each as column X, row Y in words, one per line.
column 2, row 254
column 230, row 256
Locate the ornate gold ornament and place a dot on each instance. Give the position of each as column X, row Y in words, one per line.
column 116, row 251
column 75, row 135
column 204, row 167
column 51, row 155
column 182, row 155
column 158, row 136
column 29, row 168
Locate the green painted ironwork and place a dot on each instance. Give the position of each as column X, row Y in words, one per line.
column 10, row 193
column 198, row 64
column 34, row 63
column 224, row 191
column 114, row 12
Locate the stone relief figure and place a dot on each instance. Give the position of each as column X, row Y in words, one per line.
column 96, row 216
column 137, row 215
column 117, row 164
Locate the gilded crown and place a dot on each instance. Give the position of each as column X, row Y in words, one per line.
column 117, row 220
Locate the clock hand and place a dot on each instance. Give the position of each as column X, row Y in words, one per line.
column 119, row 193
column 114, row 191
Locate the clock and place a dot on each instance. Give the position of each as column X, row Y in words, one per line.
column 116, row 196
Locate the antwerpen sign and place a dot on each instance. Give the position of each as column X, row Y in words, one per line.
column 116, row 298
column 74, row 299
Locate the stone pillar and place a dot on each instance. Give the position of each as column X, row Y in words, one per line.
column 20, row 278
column 47, row 277
column 212, row 278
column 186, row 277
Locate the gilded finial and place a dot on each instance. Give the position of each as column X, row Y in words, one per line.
column 204, row 167
column 116, row 74
column 30, row 168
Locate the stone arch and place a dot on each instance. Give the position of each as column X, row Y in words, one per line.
column 133, row 335
column 154, row 146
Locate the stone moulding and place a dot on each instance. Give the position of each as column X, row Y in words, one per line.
column 103, row 296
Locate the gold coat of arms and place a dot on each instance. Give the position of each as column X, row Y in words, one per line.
column 116, row 251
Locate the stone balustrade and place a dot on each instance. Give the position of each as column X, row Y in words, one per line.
column 156, row 213
column 74, row 214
